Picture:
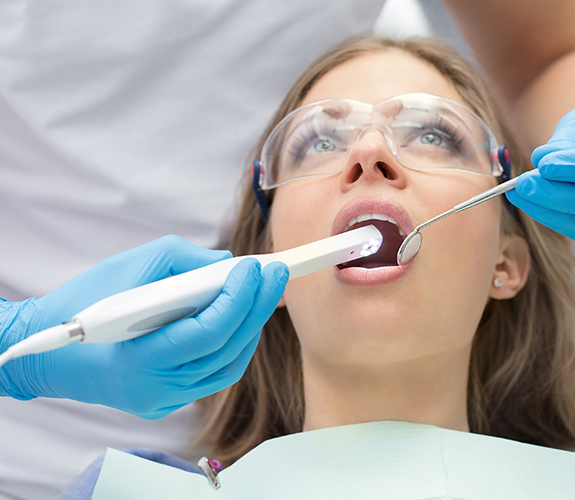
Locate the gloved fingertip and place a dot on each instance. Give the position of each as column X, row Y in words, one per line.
column 539, row 153
column 566, row 120
column 208, row 255
column 223, row 254
column 280, row 271
column 251, row 267
column 275, row 275
column 512, row 197
column 553, row 155
column 526, row 184
column 559, row 165
column 255, row 266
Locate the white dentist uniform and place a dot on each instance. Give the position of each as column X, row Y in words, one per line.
column 122, row 121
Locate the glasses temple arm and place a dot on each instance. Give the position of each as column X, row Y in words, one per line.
column 258, row 191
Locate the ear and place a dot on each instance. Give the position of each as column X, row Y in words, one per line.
column 512, row 268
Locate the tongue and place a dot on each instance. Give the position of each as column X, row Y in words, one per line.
column 387, row 253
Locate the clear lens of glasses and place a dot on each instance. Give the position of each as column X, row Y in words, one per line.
column 422, row 131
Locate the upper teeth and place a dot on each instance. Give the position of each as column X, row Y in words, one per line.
column 364, row 217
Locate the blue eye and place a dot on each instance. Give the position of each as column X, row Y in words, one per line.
column 321, row 146
column 308, row 141
column 431, row 139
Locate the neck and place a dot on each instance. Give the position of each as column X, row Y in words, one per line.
column 430, row 391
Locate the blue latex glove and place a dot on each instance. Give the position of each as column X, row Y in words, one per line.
column 153, row 375
column 548, row 193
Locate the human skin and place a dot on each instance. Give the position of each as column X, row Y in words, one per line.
column 399, row 348
column 527, row 50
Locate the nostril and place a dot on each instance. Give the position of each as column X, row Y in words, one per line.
column 384, row 170
column 355, row 173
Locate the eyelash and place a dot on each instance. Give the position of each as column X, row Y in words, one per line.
column 306, row 138
column 448, row 132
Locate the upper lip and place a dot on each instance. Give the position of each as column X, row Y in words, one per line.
column 372, row 204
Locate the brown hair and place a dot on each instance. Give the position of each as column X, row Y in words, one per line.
column 522, row 372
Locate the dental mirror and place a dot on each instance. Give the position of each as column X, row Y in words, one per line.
column 411, row 245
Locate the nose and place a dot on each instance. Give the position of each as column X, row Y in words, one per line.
column 371, row 160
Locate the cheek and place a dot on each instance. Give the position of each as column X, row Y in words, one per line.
column 298, row 217
column 460, row 256
column 452, row 273
column 469, row 235
column 294, row 216
column 466, row 243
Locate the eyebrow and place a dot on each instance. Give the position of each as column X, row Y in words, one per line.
column 336, row 113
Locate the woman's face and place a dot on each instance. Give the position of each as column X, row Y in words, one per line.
column 372, row 317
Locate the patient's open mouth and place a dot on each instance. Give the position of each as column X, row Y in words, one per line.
column 392, row 234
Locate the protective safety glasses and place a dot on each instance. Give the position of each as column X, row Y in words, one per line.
column 423, row 132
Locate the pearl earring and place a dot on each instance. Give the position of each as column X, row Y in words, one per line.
column 497, row 283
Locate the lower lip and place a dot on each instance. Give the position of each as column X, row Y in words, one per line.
column 359, row 276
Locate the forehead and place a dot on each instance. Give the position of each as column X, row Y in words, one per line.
column 377, row 76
